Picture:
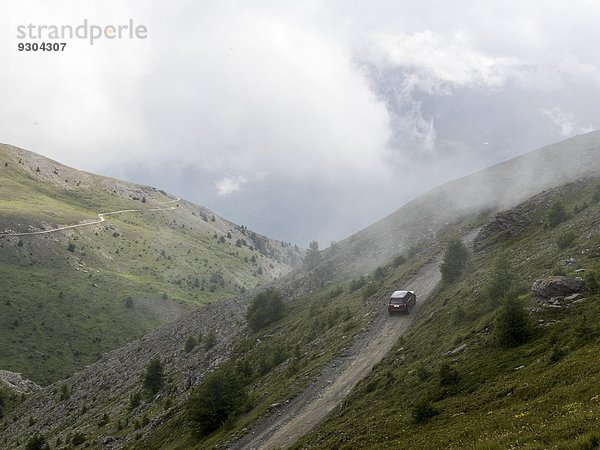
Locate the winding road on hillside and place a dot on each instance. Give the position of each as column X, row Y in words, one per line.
column 305, row 412
column 94, row 222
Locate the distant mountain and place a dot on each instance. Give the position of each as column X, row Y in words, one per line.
column 89, row 263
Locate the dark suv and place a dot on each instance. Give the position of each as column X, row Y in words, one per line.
column 402, row 301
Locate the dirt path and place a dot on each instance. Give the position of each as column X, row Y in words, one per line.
column 93, row 222
column 306, row 411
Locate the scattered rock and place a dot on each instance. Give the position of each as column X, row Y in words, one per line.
column 557, row 286
column 16, row 383
column 570, row 298
column 459, row 349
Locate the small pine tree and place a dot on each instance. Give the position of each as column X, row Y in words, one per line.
column 448, row 375
column 190, row 343
column 502, row 281
column 557, row 214
column 267, row 307
column 154, row 378
column 37, row 442
column 313, row 256
column 455, row 260
column 512, row 324
column 423, row 410
column 220, row 397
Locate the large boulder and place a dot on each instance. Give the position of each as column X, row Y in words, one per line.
column 557, row 286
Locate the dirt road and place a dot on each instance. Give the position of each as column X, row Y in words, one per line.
column 307, row 410
column 93, row 222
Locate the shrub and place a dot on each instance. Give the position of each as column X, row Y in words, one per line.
column 210, row 340
column 154, row 378
column 448, row 375
column 379, row 273
column 266, row 308
column 190, row 343
column 37, row 442
column 557, row 214
column 422, row 372
column 357, row 284
column 592, row 285
column 399, row 260
column 78, row 438
column 370, row 290
column 71, row 247
column 219, row 398
column 135, row 400
column 512, row 324
column 502, row 281
column 455, row 260
column 565, row 240
column 313, row 256
column 423, row 410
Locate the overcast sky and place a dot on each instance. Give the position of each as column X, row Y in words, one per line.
column 302, row 120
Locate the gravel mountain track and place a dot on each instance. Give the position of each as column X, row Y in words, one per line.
column 305, row 412
column 100, row 219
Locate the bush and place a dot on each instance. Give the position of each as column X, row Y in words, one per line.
column 399, row 260
column 370, row 290
column 423, row 411
column 565, row 240
column 502, row 281
column 71, row 247
column 218, row 399
column 313, row 256
column 557, row 214
column 592, row 285
column 379, row 273
column 448, row 375
column 266, row 308
column 154, row 378
column 210, row 340
column 37, row 442
column 190, row 343
column 357, row 284
column 78, row 438
column 455, row 260
column 512, row 324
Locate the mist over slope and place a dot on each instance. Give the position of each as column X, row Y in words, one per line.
column 498, row 187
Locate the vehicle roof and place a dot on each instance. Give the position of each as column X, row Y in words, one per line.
column 401, row 294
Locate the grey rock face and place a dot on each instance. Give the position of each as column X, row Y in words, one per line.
column 557, row 286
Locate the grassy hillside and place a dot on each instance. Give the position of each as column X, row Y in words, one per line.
column 71, row 295
column 542, row 394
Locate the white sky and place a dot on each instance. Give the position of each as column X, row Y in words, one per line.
column 297, row 118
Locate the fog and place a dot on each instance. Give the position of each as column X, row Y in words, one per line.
column 302, row 121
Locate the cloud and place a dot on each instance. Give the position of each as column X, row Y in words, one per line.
column 338, row 96
column 565, row 121
column 229, row 185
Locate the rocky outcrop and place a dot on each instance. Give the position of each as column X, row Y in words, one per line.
column 557, row 286
column 16, row 383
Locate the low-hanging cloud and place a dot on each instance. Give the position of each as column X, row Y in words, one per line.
column 343, row 97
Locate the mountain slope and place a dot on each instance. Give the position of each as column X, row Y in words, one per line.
column 543, row 394
column 73, row 294
column 496, row 188
column 326, row 318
